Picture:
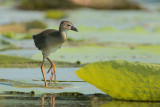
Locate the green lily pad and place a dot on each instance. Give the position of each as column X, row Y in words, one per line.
column 124, row 80
column 108, row 29
column 15, row 61
column 15, row 36
column 87, row 54
column 137, row 29
column 157, row 30
column 55, row 14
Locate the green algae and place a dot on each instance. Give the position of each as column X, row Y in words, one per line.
column 124, row 80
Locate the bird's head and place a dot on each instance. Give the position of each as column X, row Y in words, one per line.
column 66, row 25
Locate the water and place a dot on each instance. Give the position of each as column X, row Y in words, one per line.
column 34, row 76
column 81, row 101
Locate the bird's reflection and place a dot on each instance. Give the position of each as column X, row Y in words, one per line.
column 51, row 100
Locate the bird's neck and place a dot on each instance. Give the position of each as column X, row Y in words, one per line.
column 63, row 34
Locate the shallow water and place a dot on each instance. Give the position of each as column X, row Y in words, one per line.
column 13, row 90
column 68, row 101
column 65, row 77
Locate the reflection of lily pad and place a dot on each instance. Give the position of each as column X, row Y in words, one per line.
column 124, row 80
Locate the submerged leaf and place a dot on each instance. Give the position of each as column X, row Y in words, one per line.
column 124, row 80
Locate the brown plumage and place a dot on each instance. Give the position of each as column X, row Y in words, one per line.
column 40, row 38
column 49, row 41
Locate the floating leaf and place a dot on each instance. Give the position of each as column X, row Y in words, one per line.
column 124, row 80
column 55, row 14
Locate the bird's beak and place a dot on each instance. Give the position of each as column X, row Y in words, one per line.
column 74, row 29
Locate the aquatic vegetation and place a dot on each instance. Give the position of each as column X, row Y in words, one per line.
column 123, row 79
column 4, row 42
column 35, row 24
column 55, row 14
column 15, row 61
column 46, row 4
column 108, row 28
column 137, row 29
column 5, row 45
column 87, row 54
column 74, row 40
column 15, row 36
column 9, row 35
column 87, row 28
column 27, row 36
column 156, row 30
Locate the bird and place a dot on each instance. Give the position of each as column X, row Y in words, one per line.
column 49, row 41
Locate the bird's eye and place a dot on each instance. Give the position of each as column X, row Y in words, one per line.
column 68, row 25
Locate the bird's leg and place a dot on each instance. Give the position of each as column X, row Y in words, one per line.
column 53, row 72
column 49, row 69
column 43, row 72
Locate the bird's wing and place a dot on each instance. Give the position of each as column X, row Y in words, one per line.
column 40, row 39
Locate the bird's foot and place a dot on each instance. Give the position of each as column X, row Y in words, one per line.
column 46, row 85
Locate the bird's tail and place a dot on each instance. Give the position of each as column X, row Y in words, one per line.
column 34, row 37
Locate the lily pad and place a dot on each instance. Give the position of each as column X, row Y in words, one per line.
column 123, row 79
column 87, row 54
column 29, row 85
column 55, row 14
column 15, row 61
column 137, row 29
column 15, row 36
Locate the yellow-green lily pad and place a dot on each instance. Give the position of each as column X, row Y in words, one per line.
column 123, row 79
